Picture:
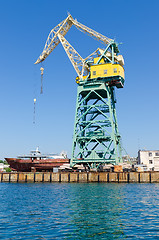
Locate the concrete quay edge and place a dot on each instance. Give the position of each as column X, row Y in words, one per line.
column 81, row 177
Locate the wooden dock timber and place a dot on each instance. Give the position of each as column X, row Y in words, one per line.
column 81, row 177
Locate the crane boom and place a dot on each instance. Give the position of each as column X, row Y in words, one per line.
column 91, row 32
column 62, row 28
column 76, row 60
column 53, row 40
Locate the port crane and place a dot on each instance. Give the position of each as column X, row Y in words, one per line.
column 96, row 139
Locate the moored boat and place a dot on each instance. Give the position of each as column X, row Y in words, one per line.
column 35, row 161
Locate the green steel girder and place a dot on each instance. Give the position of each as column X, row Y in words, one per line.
column 96, row 139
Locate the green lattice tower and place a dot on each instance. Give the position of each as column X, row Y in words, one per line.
column 96, row 139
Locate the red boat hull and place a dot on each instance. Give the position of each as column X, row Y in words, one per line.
column 28, row 165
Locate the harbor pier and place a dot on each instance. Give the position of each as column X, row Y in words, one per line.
column 81, row 177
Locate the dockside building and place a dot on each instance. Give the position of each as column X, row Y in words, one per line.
column 149, row 158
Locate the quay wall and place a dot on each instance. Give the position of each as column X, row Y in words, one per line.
column 81, row 177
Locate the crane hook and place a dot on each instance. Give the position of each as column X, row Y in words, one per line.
column 42, row 72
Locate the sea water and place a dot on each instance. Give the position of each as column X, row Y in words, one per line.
column 79, row 211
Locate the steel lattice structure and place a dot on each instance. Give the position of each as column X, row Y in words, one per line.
column 96, row 138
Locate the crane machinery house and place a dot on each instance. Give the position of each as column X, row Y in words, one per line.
column 96, row 139
column 113, row 73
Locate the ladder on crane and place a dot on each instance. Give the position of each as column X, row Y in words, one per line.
column 96, row 139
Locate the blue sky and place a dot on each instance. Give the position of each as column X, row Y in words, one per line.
column 25, row 26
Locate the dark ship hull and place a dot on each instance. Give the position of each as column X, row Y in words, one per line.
column 28, row 165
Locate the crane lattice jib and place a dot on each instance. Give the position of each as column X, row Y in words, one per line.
column 76, row 60
column 63, row 28
column 91, row 32
column 53, row 40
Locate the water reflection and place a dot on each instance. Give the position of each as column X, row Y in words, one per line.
column 79, row 211
column 96, row 210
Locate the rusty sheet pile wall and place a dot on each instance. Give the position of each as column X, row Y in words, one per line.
column 111, row 177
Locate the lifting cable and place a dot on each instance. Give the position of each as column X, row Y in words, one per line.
column 41, row 91
column 34, row 110
column 34, row 94
column 42, row 72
